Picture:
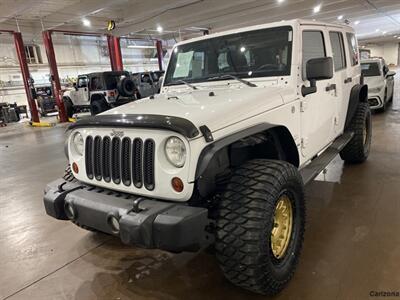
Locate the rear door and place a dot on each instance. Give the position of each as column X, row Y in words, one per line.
column 339, row 90
column 318, row 109
column 82, row 93
column 353, row 71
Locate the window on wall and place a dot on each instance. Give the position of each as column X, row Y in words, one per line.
column 33, row 54
column 339, row 58
column 352, row 42
column 313, row 47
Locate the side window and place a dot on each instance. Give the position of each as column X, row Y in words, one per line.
column 146, row 78
column 82, row 82
column 339, row 59
column 96, row 84
column 313, row 47
column 352, row 43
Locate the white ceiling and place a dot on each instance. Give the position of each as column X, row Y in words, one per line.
column 140, row 18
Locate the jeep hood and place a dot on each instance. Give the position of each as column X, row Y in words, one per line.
column 215, row 108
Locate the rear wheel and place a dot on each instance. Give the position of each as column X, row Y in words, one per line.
column 357, row 150
column 98, row 105
column 260, row 226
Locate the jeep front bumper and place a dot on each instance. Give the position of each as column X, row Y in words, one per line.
column 150, row 224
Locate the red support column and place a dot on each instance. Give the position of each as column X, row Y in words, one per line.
column 55, row 79
column 159, row 54
column 114, row 49
column 19, row 46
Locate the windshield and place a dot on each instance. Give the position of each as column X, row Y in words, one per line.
column 370, row 69
column 259, row 53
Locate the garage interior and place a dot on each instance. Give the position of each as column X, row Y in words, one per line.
column 352, row 245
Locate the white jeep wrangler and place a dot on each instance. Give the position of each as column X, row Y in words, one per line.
column 99, row 92
column 244, row 120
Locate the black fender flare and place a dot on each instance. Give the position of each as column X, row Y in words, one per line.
column 207, row 154
column 97, row 96
column 359, row 93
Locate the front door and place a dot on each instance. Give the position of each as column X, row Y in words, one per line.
column 318, row 110
column 82, row 93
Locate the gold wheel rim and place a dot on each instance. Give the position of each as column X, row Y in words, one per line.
column 282, row 230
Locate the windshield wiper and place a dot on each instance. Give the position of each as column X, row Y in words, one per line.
column 233, row 77
column 184, row 82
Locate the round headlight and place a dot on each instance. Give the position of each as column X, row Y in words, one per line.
column 77, row 143
column 175, row 151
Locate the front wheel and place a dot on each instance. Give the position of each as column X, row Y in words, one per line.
column 69, row 107
column 260, row 226
column 357, row 150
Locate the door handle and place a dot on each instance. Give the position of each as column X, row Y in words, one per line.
column 330, row 87
column 348, row 80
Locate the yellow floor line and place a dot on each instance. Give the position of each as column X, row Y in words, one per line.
column 42, row 124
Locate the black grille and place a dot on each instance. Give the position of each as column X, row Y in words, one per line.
column 148, row 164
column 89, row 157
column 121, row 160
column 116, row 160
column 106, row 159
column 126, row 161
column 373, row 102
column 137, row 162
column 97, row 157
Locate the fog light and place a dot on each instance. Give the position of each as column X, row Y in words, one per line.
column 70, row 211
column 113, row 222
column 177, row 184
column 75, row 167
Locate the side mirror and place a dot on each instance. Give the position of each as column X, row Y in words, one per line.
column 390, row 73
column 75, row 86
column 317, row 69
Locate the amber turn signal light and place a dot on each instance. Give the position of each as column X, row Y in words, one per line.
column 75, row 167
column 177, row 184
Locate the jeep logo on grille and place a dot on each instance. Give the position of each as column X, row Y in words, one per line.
column 117, row 133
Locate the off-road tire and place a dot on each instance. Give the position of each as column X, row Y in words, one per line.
column 98, row 106
column 126, row 87
column 246, row 219
column 357, row 150
column 69, row 107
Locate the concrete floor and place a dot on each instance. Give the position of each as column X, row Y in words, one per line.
column 352, row 242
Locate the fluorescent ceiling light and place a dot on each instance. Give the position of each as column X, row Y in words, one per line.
column 140, row 47
column 340, row 17
column 280, row 1
column 159, row 29
column 317, row 8
column 86, row 22
column 356, row 22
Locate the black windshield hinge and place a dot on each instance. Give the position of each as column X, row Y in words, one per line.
column 206, row 133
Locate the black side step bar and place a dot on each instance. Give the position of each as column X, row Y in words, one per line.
column 318, row 164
